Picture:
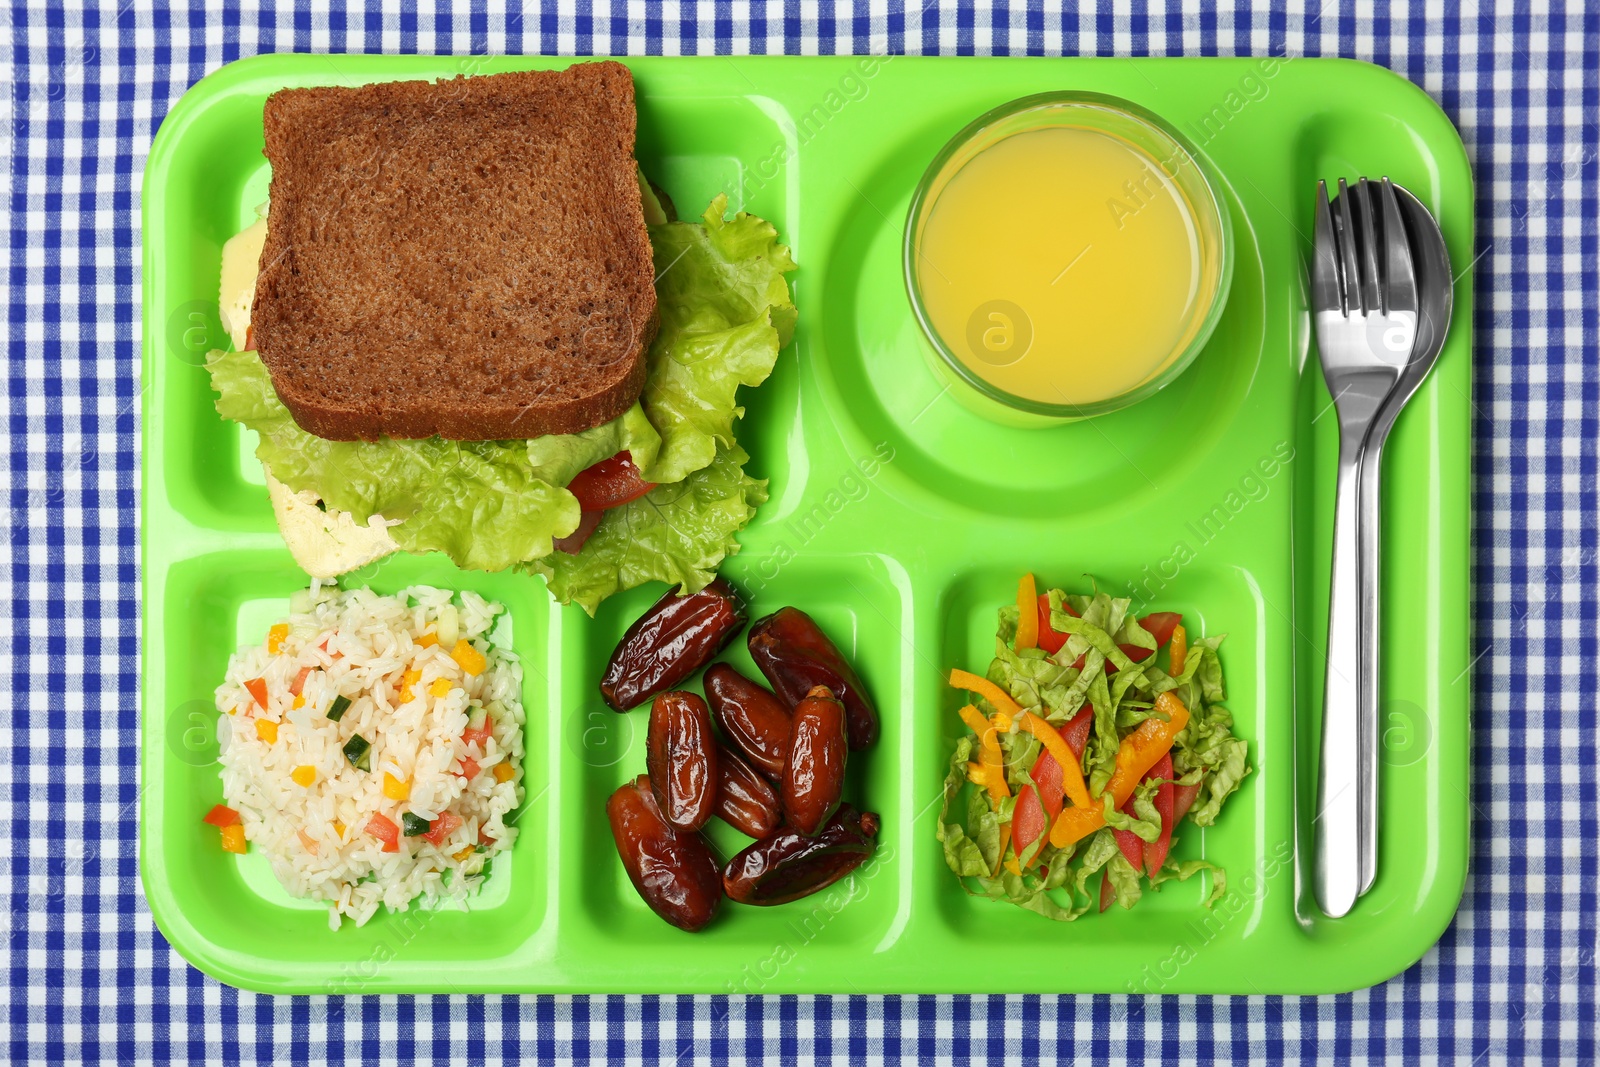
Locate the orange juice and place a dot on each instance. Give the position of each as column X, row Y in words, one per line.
column 1063, row 265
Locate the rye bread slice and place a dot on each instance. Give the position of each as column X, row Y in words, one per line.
column 466, row 258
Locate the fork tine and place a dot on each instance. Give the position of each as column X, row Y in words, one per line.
column 1366, row 218
column 1327, row 287
column 1346, row 232
column 1399, row 275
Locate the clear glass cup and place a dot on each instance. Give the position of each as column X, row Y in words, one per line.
column 1199, row 195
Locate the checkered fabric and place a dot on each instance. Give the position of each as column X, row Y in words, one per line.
column 88, row 977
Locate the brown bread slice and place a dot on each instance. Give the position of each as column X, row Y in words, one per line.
column 465, row 258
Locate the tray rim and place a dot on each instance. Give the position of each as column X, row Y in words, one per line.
column 261, row 68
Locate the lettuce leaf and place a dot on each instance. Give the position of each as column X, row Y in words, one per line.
column 676, row 533
column 725, row 313
column 481, row 502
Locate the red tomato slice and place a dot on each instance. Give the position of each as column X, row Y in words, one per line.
column 222, row 817
column 609, row 483
column 1028, row 823
column 588, row 522
column 299, row 682
column 385, row 830
column 469, row 768
column 441, row 828
column 1160, row 624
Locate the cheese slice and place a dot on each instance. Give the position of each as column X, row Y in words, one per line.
column 326, row 543
column 241, row 262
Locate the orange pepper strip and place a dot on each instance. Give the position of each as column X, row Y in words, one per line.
column 993, row 771
column 1180, row 648
column 1138, row 752
column 1071, row 771
column 961, row 679
column 1027, row 614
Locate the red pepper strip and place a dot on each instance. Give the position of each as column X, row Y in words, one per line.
column 258, row 689
column 1076, row 732
column 222, row 817
column 1160, row 624
column 1183, row 798
column 1047, row 774
column 1049, row 638
column 1028, row 822
column 1155, row 852
column 1138, row 752
column 1133, row 652
column 1128, row 841
column 299, row 682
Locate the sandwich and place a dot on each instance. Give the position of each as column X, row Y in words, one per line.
column 466, row 323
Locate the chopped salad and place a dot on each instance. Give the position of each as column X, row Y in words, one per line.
column 1094, row 735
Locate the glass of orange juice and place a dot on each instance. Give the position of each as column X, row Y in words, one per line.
column 1066, row 255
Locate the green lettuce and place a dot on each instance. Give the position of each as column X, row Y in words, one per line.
column 1205, row 752
column 725, row 312
column 677, row 533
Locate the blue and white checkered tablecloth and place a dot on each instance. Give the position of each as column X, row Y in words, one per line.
column 89, row 978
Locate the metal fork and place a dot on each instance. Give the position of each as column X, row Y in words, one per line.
column 1364, row 296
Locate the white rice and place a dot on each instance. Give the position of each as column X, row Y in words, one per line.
column 371, row 642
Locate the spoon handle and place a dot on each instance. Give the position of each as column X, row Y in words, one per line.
column 1338, row 814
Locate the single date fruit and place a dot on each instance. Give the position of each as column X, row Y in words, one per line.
column 668, row 643
column 752, row 719
column 681, row 759
column 796, row 657
column 813, row 775
column 674, row 871
column 745, row 800
column 789, row 865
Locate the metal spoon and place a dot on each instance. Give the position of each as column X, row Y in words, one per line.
column 1435, row 298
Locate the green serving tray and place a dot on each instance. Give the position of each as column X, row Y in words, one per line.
column 901, row 522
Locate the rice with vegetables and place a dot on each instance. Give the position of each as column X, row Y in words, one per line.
column 372, row 748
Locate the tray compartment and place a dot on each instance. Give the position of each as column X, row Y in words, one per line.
column 1248, row 840
column 860, row 605
column 229, row 598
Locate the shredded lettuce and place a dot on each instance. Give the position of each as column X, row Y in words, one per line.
column 1205, row 753
column 725, row 312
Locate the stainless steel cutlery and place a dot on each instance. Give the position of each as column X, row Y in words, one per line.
column 1369, row 317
